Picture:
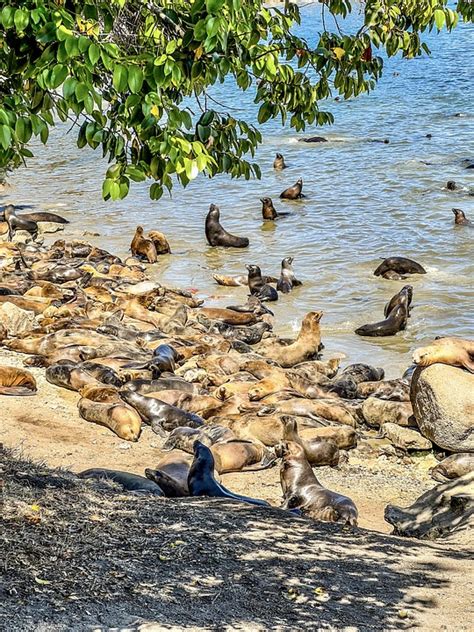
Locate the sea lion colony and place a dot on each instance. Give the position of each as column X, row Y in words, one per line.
column 223, row 391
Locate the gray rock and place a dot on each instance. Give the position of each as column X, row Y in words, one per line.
column 443, row 403
column 16, row 321
column 405, row 438
column 377, row 412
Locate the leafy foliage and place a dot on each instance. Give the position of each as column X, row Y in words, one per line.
column 134, row 75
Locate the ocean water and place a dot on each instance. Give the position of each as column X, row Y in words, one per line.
column 364, row 201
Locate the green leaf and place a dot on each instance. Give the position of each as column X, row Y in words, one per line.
column 21, row 19
column 58, row 75
column 82, row 90
column 115, row 190
column 214, row 6
column 23, row 130
column 94, row 53
column 5, row 136
column 156, row 191
column 69, row 87
column 7, row 17
column 440, row 18
column 135, row 79
column 120, row 78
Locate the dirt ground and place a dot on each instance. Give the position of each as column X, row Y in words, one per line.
column 261, row 570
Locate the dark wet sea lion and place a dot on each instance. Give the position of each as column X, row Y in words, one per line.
column 394, row 301
column 43, row 216
column 448, row 350
column 161, row 416
column 201, row 481
column 453, row 467
column 171, row 487
column 313, row 139
column 250, row 335
column 258, row 288
column 293, row 192
column 69, row 375
column 364, row 372
column 302, row 490
column 268, row 210
column 396, row 321
column 18, row 382
column 254, row 305
column 460, row 218
column 143, row 247
column 451, row 185
column 287, row 279
column 217, row 236
column 279, row 162
column 120, row 418
column 129, row 482
column 317, row 451
column 401, row 265
column 16, row 222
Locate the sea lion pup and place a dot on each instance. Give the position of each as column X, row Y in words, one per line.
column 268, row 210
column 161, row 416
column 19, row 382
column 183, row 438
column 217, row 236
column 279, row 162
column 314, row 369
column 173, row 382
column 364, row 372
column 449, row 350
column 394, row 301
column 293, row 192
column 142, row 247
column 201, row 481
column 396, row 321
column 120, row 418
column 460, row 218
column 317, row 451
column 400, row 265
column 287, row 280
column 258, row 288
column 128, row 482
column 161, row 243
column 100, row 393
column 453, row 466
column 18, row 223
column 304, row 348
column 302, row 490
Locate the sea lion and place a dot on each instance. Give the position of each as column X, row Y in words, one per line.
column 319, row 410
column 142, row 247
column 287, row 280
column 173, row 382
column 317, row 451
column 161, row 416
column 183, row 438
column 70, row 376
column 171, row 473
column 451, row 185
column 364, row 372
column 344, row 437
column 100, row 393
column 263, row 291
column 230, row 281
column 240, row 456
column 314, row 369
column 16, row 222
column 395, row 300
column 163, row 360
column 18, row 382
column 304, row 348
column 396, row 320
column 217, row 236
column 128, row 482
column 302, row 490
column 293, row 192
column 160, row 242
column 268, row 210
column 400, row 265
column 392, row 390
column 449, row 350
column 250, row 335
column 120, row 418
column 453, row 467
column 170, row 486
column 229, row 316
column 44, row 216
column 460, row 218
column 201, row 481
column 279, row 162
column 313, row 139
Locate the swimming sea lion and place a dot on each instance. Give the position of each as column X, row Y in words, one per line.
column 217, row 236
column 120, row 418
column 293, row 192
column 302, row 490
column 287, row 279
column 451, row 185
column 258, row 288
column 279, row 162
column 16, row 222
column 201, row 481
column 394, row 301
column 460, row 218
column 317, row 451
column 268, row 210
column 313, row 139
column 449, row 350
column 18, row 382
column 396, row 320
column 401, row 265
column 129, row 482
column 142, row 247
column 453, row 466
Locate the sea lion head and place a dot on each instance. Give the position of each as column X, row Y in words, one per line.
column 178, row 437
column 287, row 262
column 214, row 211
column 300, row 182
column 279, row 156
column 266, row 201
column 422, row 356
column 203, row 453
column 9, row 211
column 254, row 270
column 139, row 230
column 291, row 450
column 459, row 215
column 451, row 185
column 311, row 320
column 408, row 290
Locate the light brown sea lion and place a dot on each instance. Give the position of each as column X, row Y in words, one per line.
column 343, row 436
column 183, row 438
column 230, row 281
column 313, row 369
column 142, row 247
column 239, row 456
column 171, row 473
column 161, row 243
column 217, row 236
column 453, row 467
column 316, row 409
column 304, row 348
column 302, row 490
column 100, row 393
column 14, row 381
column 460, row 217
column 279, row 162
column 47, row 344
column 317, row 451
column 449, row 350
column 120, row 418
column 36, row 304
column 70, row 376
column 267, row 430
column 293, row 192
column 228, row 316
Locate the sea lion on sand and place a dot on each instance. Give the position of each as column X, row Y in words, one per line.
column 120, row 418
column 170, row 486
column 320, row 410
column 171, row 473
column 460, row 218
column 287, row 280
column 16, row 222
column 450, row 350
column 217, row 236
column 279, row 162
column 100, row 393
column 129, row 482
column 17, row 382
column 229, row 316
column 70, row 375
column 453, row 466
column 304, row 348
column 317, row 451
column 240, row 456
column 258, row 288
column 173, row 382
column 302, row 490
column 142, row 247
column 293, row 192
column 183, row 438
column 268, row 210
column 201, row 481
column 343, row 436
column 396, row 321
column 400, row 265
column 395, row 300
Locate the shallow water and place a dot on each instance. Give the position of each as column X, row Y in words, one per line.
column 365, row 201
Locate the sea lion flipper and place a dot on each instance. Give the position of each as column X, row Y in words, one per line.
column 19, row 391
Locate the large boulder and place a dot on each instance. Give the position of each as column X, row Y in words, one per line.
column 442, row 397
column 16, row 321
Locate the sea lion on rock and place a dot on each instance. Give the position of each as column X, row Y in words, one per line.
column 128, row 482
column 453, row 467
column 293, row 192
column 16, row 222
column 460, row 218
column 401, row 265
column 142, row 247
column 391, row 390
column 449, row 350
column 287, row 280
column 304, row 348
column 395, row 321
column 18, row 382
column 217, row 236
column 302, row 490
column 279, row 162
column 120, row 418
column 201, row 481
column 364, row 372
column 317, row 451
column 258, row 288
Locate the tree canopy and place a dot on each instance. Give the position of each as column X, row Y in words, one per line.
column 133, row 76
